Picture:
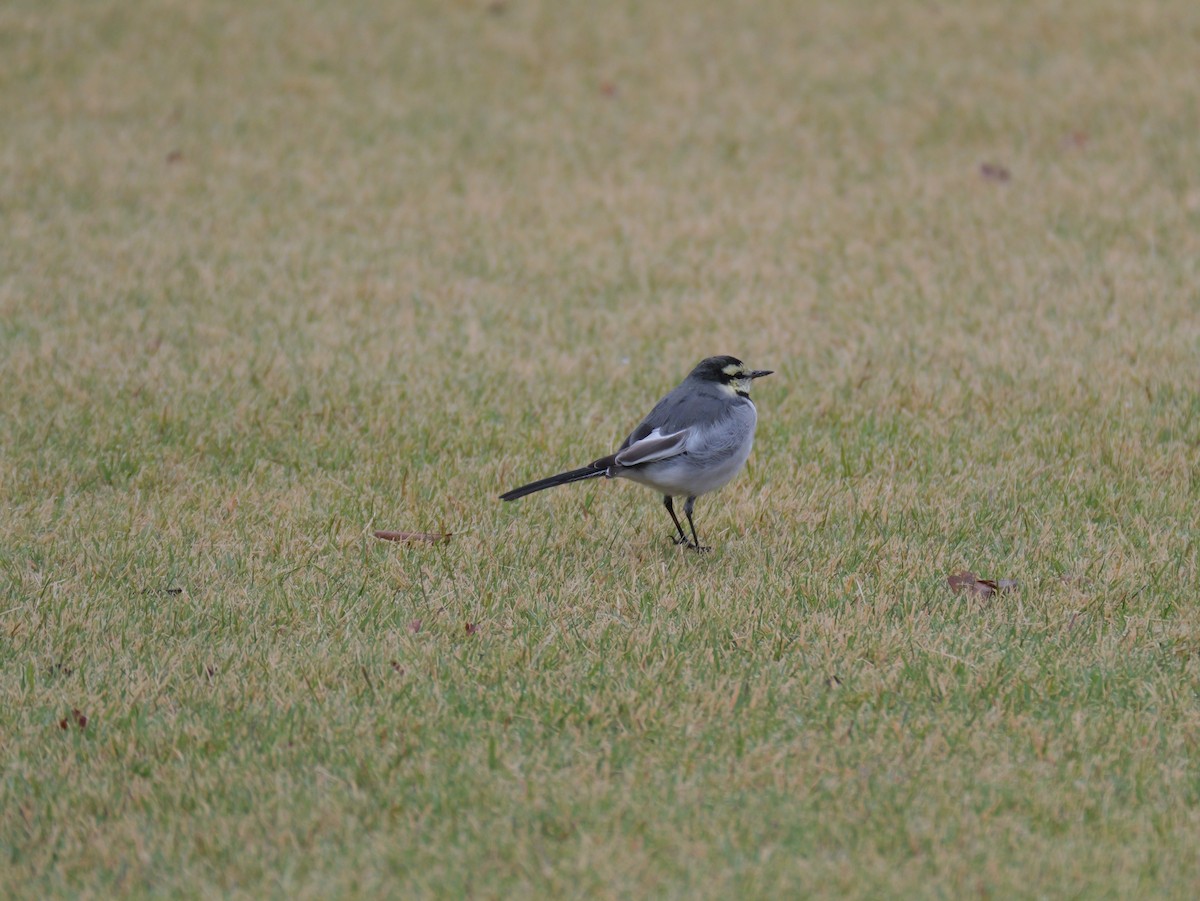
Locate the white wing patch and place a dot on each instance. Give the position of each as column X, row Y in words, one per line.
column 655, row 446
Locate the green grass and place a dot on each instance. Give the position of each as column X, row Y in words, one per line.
column 275, row 277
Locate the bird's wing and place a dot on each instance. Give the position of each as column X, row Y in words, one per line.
column 652, row 446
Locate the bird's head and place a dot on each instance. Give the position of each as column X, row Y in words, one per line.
column 728, row 372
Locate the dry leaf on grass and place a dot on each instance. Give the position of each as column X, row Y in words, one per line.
column 77, row 717
column 993, row 172
column 984, row 588
column 427, row 537
column 1076, row 140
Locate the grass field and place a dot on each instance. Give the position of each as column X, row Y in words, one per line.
column 275, row 276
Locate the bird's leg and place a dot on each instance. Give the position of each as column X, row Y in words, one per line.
column 670, row 505
column 688, row 506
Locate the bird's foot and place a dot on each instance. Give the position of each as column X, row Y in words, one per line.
column 691, row 545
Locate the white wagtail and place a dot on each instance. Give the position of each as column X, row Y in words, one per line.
column 694, row 441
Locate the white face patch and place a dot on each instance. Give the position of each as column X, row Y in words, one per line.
column 738, row 383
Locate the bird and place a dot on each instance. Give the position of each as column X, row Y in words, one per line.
column 693, row 442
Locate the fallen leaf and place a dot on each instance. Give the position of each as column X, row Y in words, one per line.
column 993, row 172
column 472, row 628
column 175, row 156
column 968, row 582
column 62, row 724
column 1076, row 139
column 415, row 626
column 962, row 581
column 429, row 537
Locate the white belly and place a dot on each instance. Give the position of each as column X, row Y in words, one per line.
column 711, row 458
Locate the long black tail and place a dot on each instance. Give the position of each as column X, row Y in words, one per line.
column 591, row 471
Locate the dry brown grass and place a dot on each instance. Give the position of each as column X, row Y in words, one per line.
column 274, row 278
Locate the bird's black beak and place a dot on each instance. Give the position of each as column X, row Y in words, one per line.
column 759, row 373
